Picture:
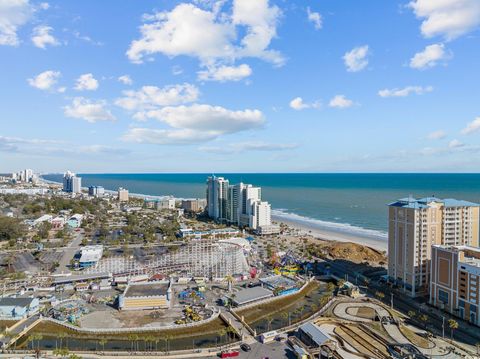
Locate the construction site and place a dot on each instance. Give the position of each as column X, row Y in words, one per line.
column 201, row 258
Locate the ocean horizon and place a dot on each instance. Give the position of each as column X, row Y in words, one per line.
column 354, row 203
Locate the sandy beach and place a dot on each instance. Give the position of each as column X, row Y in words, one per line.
column 304, row 228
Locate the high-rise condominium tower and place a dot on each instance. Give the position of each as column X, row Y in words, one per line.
column 417, row 224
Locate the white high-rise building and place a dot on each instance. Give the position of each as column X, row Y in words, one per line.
column 217, row 198
column 72, row 183
column 25, row 175
column 261, row 214
column 238, row 204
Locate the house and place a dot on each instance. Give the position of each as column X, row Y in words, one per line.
column 18, row 307
column 75, row 221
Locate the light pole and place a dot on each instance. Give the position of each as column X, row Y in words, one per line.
column 443, row 327
column 391, row 300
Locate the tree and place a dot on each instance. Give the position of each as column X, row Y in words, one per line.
column 452, row 324
column 11, row 228
column 102, row 342
column 286, row 316
column 412, row 314
column 379, row 295
column 424, row 319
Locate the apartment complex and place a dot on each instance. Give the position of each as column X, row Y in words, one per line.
column 455, row 281
column 72, row 183
column 417, row 224
column 122, row 194
column 194, row 205
column 96, row 191
column 239, row 204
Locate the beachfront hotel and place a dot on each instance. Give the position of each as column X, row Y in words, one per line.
column 454, row 281
column 240, row 204
column 417, row 224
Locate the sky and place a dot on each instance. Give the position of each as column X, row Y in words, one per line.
column 240, row 86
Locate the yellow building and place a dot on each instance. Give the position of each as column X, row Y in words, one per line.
column 152, row 295
column 455, row 281
column 417, row 224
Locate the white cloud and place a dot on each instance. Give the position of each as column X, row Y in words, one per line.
column 41, row 37
column 340, row 101
column 472, row 127
column 177, row 32
column 195, row 124
column 248, row 147
column 356, row 59
column 45, row 80
column 403, row 92
column 86, row 82
column 125, row 79
column 437, row 135
column 13, row 15
column 225, row 73
column 315, row 18
column 298, row 104
column 455, row 144
column 429, row 57
column 88, row 110
column 447, row 18
column 153, row 97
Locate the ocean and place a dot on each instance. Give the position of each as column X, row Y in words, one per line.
column 353, row 203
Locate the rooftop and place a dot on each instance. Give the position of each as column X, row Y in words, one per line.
column 16, row 302
column 315, row 333
column 421, row 203
column 248, row 295
column 146, row 289
column 278, row 281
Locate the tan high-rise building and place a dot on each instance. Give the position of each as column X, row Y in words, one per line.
column 122, row 194
column 417, row 224
column 455, row 281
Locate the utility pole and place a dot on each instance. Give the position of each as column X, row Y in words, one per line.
column 391, row 300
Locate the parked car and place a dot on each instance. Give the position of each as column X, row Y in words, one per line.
column 245, row 347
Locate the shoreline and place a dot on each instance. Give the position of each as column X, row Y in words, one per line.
column 371, row 238
column 307, row 229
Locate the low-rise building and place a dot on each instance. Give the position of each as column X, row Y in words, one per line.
column 455, row 281
column 90, row 255
column 250, row 295
column 45, row 218
column 268, row 230
column 58, row 222
column 217, row 233
column 140, row 296
column 18, row 307
column 75, row 221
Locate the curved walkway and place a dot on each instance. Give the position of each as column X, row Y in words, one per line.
column 341, row 310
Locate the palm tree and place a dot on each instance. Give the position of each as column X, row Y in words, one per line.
column 102, row 342
column 222, row 332
column 131, row 337
column 453, row 324
column 229, row 278
column 269, row 322
column 30, row 339
column 62, row 336
column 285, row 316
column 424, row 319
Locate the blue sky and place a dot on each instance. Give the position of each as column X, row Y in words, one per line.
column 240, row 86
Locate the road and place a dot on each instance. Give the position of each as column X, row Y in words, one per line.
column 69, row 253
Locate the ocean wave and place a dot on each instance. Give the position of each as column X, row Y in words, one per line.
column 326, row 225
